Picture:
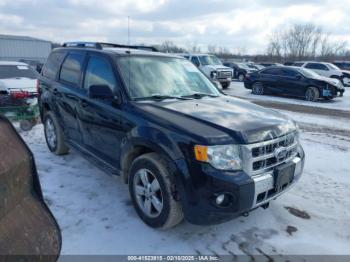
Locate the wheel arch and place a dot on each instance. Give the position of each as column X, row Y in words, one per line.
column 137, row 147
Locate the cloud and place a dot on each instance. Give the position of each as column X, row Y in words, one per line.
column 240, row 24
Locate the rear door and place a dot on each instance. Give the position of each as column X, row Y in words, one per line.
column 270, row 78
column 68, row 91
column 99, row 119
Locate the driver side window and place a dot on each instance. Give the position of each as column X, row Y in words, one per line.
column 99, row 72
column 195, row 60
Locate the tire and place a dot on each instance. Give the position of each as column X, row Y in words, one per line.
column 225, row 85
column 54, row 135
column 258, row 88
column 241, row 77
column 161, row 210
column 312, row 94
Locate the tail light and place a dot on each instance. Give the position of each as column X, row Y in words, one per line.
column 20, row 94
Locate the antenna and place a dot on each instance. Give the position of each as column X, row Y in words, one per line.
column 128, row 30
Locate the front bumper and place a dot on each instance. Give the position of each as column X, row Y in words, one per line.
column 245, row 193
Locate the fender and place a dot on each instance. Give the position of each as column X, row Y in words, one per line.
column 146, row 139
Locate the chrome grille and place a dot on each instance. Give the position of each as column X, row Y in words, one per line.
column 261, row 157
column 224, row 74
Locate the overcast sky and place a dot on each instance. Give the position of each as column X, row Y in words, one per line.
column 234, row 24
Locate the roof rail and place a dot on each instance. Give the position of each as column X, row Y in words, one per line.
column 100, row 45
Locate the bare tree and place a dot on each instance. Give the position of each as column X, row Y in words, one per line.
column 302, row 41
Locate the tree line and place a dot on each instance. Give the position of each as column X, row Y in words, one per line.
column 291, row 43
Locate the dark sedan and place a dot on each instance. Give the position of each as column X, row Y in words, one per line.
column 293, row 81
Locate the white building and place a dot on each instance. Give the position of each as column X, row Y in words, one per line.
column 23, row 48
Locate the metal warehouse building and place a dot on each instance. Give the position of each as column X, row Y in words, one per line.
column 15, row 48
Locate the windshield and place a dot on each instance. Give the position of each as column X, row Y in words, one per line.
column 164, row 76
column 209, row 60
column 14, row 71
column 307, row 72
column 333, row 66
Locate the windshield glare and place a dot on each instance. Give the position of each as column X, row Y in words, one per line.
column 307, row 72
column 164, row 76
column 209, row 60
column 13, row 71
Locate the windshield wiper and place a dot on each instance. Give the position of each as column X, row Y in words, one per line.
column 198, row 95
column 161, row 97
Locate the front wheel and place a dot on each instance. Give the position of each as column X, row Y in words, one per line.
column 150, row 187
column 312, row 94
column 225, row 85
column 54, row 135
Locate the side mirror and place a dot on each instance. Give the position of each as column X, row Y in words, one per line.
column 102, row 92
column 298, row 77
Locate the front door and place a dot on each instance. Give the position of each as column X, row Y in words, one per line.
column 100, row 120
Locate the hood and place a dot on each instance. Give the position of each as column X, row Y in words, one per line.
column 346, row 73
column 222, row 118
column 21, row 84
column 331, row 81
column 218, row 67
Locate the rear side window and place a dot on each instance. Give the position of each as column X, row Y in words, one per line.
column 53, row 64
column 316, row 66
column 99, row 72
column 290, row 73
column 71, row 68
column 272, row 71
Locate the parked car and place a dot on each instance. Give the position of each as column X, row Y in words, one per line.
column 212, row 67
column 184, row 148
column 344, row 65
column 327, row 70
column 17, row 79
column 294, row 81
column 267, row 64
column 255, row 66
column 240, row 70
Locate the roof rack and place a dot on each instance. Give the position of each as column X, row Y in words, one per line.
column 100, row 45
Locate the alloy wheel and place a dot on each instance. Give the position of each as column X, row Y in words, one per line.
column 50, row 132
column 148, row 193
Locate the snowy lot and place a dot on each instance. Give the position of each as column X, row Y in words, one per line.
column 96, row 215
column 342, row 103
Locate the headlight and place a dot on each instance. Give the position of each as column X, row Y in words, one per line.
column 213, row 74
column 223, row 157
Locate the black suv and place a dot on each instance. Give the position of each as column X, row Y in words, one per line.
column 184, row 148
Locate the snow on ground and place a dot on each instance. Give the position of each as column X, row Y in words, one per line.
column 95, row 213
column 342, row 103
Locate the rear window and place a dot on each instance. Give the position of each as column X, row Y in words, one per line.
column 16, row 71
column 71, row 68
column 53, row 64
